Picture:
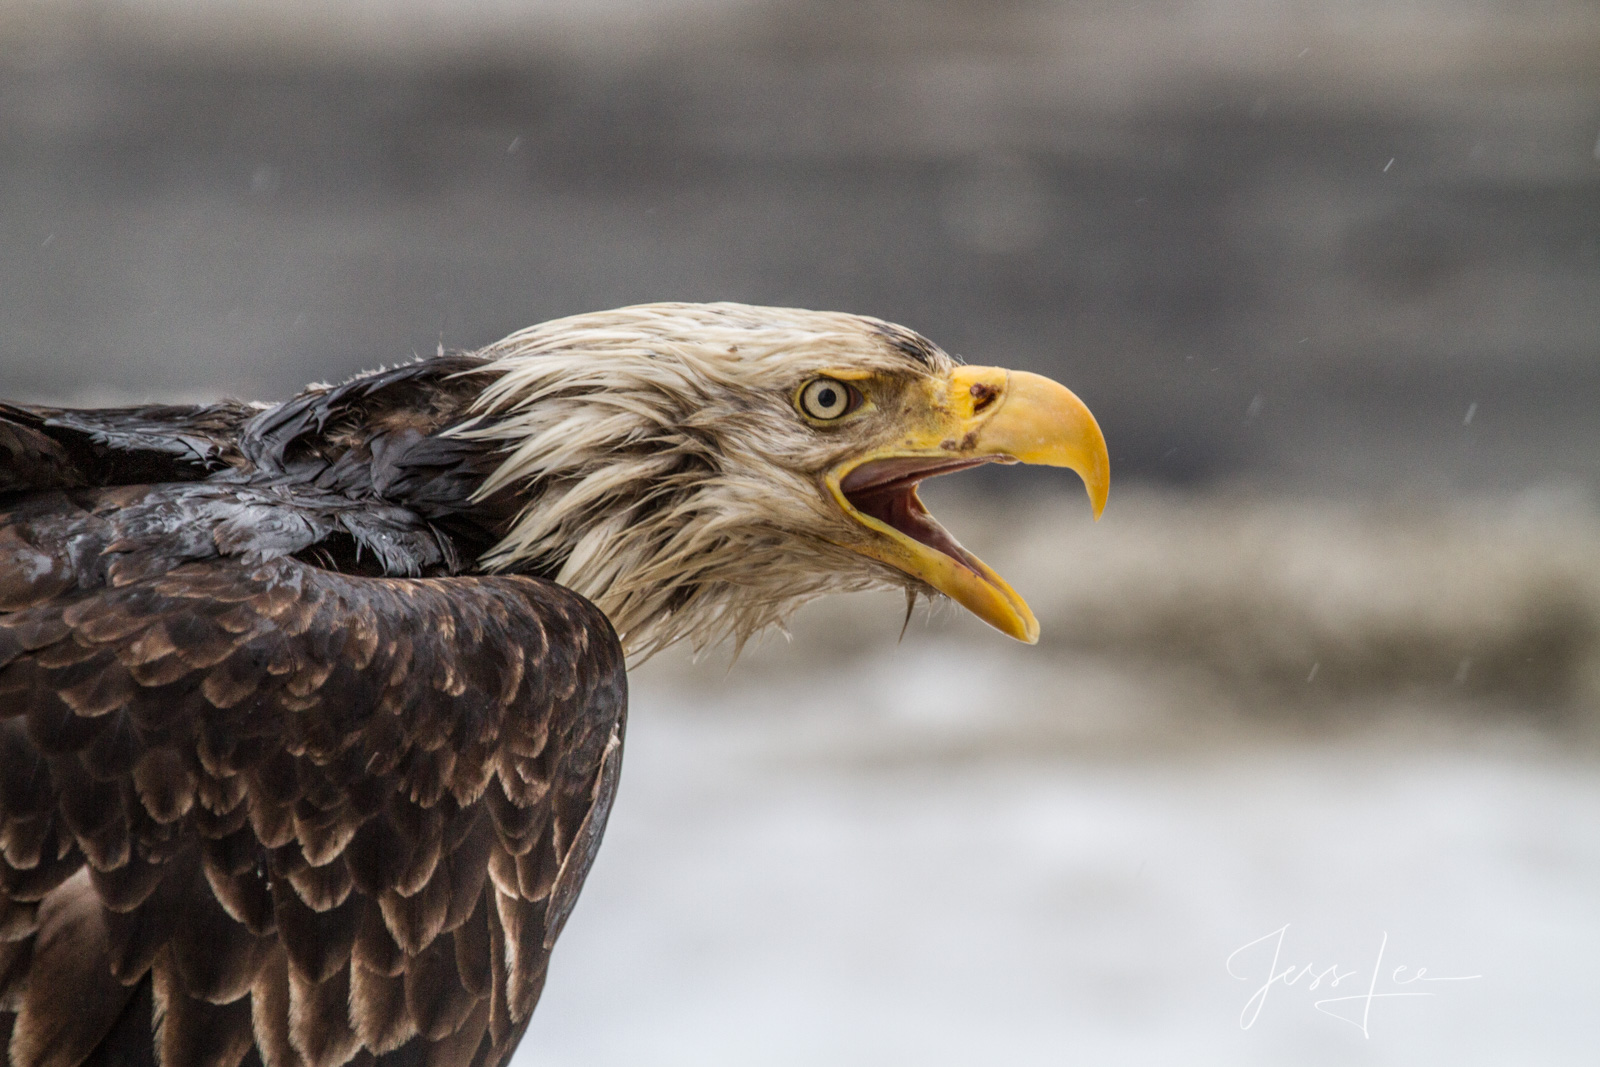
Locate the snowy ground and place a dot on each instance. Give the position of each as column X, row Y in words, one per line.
column 777, row 887
column 956, row 851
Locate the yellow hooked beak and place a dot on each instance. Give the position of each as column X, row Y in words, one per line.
column 976, row 415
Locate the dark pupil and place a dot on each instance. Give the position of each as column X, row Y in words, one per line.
column 826, row 398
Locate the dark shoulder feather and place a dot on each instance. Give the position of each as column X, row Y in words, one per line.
column 382, row 439
column 317, row 428
column 260, row 812
column 61, row 448
column 362, row 478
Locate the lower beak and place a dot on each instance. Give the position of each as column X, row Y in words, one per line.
column 977, row 415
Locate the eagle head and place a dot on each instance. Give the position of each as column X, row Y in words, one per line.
column 701, row 470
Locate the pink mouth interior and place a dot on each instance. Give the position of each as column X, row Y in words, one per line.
column 886, row 489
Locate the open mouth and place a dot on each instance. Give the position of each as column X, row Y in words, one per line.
column 886, row 490
column 991, row 415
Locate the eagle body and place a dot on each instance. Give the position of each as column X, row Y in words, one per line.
column 311, row 715
column 260, row 799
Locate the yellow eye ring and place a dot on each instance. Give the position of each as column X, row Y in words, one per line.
column 826, row 399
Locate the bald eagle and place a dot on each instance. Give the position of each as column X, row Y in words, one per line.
column 311, row 714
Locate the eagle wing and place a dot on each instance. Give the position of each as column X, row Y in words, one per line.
column 255, row 810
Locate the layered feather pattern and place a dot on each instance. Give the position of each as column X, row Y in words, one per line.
column 250, row 806
column 302, row 807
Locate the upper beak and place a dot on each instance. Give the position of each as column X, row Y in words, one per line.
column 976, row 415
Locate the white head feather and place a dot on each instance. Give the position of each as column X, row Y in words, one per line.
column 667, row 474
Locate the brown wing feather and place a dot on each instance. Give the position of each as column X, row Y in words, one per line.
column 320, row 818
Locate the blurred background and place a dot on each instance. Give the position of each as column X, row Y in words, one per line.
column 1329, row 274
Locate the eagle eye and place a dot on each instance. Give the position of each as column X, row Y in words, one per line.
column 826, row 399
